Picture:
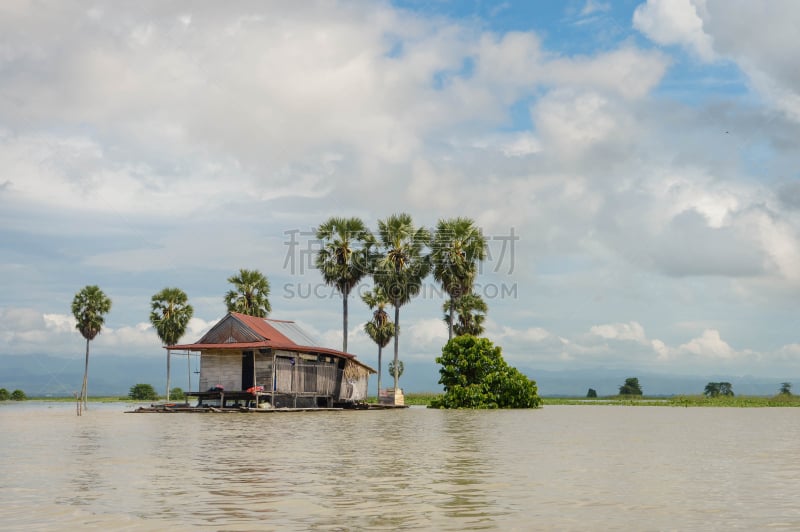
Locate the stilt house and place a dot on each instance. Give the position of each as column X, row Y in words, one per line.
column 273, row 363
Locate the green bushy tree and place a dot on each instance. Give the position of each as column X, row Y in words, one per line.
column 474, row 375
column 177, row 393
column 4, row 395
column 18, row 395
column 143, row 392
column 631, row 387
column 591, row 393
column 716, row 389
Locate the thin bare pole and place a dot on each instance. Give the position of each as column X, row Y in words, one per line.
column 189, row 373
column 168, row 357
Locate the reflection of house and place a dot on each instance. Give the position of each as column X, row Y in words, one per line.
column 261, row 360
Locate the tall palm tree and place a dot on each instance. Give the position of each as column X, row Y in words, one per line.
column 344, row 258
column 471, row 311
column 402, row 267
column 170, row 315
column 379, row 328
column 456, row 249
column 89, row 306
column 250, row 294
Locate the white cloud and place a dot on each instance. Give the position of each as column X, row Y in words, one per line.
column 594, row 6
column 427, row 335
column 628, row 72
column 571, row 122
column 733, row 30
column 675, row 22
column 620, row 331
column 709, row 345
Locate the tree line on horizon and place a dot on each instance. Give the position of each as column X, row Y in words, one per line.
column 398, row 259
column 711, row 390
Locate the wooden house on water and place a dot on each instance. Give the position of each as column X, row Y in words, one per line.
column 261, row 362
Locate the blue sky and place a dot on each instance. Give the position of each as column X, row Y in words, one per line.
column 644, row 154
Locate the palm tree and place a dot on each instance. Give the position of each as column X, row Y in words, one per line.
column 402, row 267
column 455, row 251
column 170, row 315
column 344, row 258
column 250, row 295
column 89, row 307
column 471, row 311
column 380, row 328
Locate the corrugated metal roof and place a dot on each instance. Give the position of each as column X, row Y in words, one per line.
column 239, row 331
column 293, row 332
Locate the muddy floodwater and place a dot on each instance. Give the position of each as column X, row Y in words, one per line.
column 557, row 468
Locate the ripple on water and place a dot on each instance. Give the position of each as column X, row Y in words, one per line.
column 559, row 467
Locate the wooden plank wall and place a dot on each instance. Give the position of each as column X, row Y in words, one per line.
column 221, row 367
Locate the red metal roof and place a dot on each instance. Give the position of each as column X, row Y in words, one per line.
column 239, row 331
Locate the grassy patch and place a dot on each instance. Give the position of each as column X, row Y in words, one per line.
column 413, row 399
column 107, row 399
column 744, row 401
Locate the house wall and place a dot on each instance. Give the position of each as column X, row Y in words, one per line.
column 295, row 373
column 225, row 367
column 305, row 373
column 221, row 367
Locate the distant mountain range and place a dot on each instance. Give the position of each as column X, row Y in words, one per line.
column 45, row 375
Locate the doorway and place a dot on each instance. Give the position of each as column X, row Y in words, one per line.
column 248, row 370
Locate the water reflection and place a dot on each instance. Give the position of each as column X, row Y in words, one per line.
column 86, row 482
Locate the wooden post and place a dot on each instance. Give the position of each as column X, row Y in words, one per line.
column 168, row 357
column 274, row 381
column 294, row 379
column 189, row 374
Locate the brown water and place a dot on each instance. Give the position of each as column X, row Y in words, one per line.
column 561, row 467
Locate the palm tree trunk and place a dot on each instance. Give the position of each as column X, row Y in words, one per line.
column 396, row 343
column 380, row 352
column 450, row 319
column 84, row 391
column 344, row 320
column 168, row 357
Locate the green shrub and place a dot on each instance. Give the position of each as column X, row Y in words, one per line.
column 631, row 387
column 18, row 395
column 143, row 392
column 176, row 394
column 4, row 395
column 474, row 375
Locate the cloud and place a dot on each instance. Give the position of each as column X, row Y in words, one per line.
column 762, row 55
column 594, row 6
column 674, row 22
column 182, row 141
column 620, row 331
column 628, row 72
column 709, row 345
column 26, row 331
column 713, row 30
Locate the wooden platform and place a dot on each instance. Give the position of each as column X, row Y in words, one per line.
column 183, row 408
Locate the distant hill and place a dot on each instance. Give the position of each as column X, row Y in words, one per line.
column 45, row 375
